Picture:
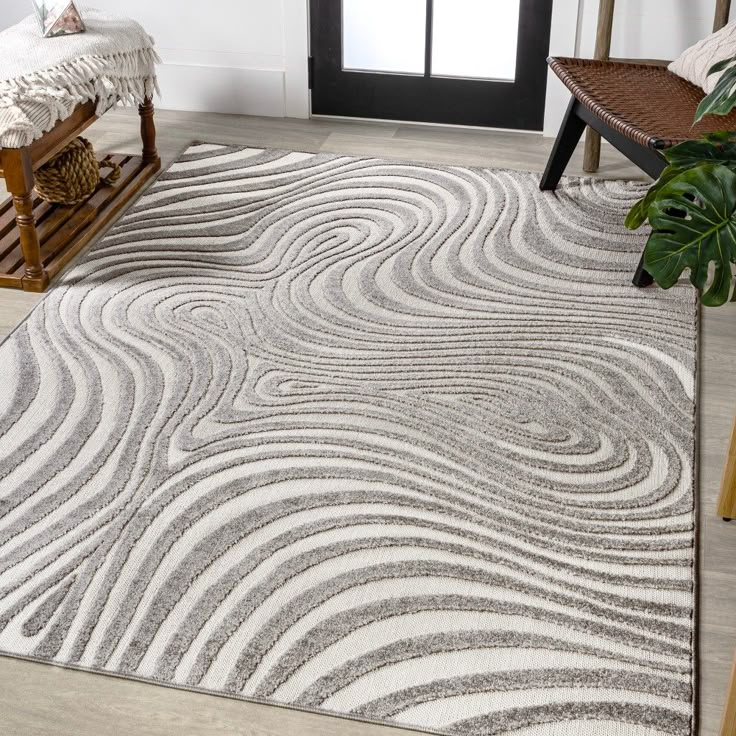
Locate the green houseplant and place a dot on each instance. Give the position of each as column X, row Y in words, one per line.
column 692, row 206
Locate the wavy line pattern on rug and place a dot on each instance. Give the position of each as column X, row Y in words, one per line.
column 381, row 439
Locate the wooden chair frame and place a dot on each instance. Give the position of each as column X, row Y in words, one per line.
column 578, row 117
column 604, row 31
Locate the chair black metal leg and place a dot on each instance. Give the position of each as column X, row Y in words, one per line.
column 571, row 130
column 650, row 160
column 568, row 137
column 642, row 277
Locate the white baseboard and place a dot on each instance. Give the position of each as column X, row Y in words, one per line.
column 221, row 89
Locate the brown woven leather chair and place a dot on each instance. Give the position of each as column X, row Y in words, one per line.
column 640, row 109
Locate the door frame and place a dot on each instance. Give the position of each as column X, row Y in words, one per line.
column 517, row 103
column 297, row 98
column 564, row 41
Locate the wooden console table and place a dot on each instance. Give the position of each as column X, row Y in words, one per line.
column 37, row 239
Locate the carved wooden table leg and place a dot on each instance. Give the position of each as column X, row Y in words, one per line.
column 18, row 173
column 727, row 500
column 148, row 133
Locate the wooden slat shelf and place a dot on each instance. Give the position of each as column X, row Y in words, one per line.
column 64, row 231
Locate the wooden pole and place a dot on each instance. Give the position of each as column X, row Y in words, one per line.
column 727, row 500
column 723, row 9
column 592, row 157
column 728, row 724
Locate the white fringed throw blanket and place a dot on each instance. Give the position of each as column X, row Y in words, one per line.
column 42, row 80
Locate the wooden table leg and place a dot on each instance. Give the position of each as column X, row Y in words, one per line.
column 728, row 723
column 148, row 133
column 18, row 173
column 727, row 500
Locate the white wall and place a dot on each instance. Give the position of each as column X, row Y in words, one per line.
column 239, row 56
column 249, row 56
column 653, row 29
column 563, row 41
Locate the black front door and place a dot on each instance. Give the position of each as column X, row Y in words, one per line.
column 465, row 62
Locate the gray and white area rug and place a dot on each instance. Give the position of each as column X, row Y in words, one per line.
column 386, row 440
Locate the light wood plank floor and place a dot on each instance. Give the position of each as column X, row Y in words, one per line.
column 40, row 699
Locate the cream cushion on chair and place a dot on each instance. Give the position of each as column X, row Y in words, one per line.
column 694, row 62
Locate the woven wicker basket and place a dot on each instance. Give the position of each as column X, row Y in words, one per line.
column 73, row 174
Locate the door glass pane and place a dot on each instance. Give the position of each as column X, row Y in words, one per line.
column 384, row 35
column 475, row 38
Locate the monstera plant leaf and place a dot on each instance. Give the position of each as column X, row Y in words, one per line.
column 723, row 97
column 692, row 206
column 713, row 147
column 693, row 219
column 639, row 213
